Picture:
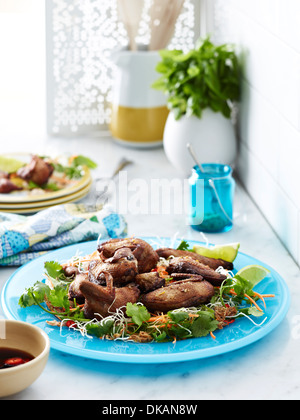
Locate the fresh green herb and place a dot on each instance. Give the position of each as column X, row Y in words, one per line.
column 54, row 270
column 72, row 172
column 100, row 329
column 58, row 297
column 206, row 77
column 32, row 185
column 75, row 169
column 84, row 161
column 51, row 186
column 184, row 246
column 34, row 295
column 138, row 313
column 204, row 324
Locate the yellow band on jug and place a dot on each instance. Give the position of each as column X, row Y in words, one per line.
column 138, row 124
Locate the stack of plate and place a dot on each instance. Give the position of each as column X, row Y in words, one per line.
column 30, row 202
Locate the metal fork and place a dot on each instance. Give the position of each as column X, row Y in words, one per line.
column 121, row 165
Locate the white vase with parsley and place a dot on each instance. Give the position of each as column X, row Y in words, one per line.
column 202, row 88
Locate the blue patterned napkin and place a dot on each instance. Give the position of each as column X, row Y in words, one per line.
column 24, row 238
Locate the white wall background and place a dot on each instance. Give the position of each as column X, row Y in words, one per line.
column 22, row 74
column 268, row 32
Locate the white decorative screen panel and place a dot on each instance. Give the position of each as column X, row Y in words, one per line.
column 80, row 38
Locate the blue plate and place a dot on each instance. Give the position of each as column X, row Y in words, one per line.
column 239, row 334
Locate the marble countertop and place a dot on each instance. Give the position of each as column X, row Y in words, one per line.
column 267, row 369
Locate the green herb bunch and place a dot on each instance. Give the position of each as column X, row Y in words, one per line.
column 205, row 77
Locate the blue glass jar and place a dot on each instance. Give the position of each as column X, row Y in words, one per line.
column 211, row 198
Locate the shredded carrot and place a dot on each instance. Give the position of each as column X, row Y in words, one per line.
column 212, row 336
column 260, row 297
column 265, row 296
column 154, row 318
column 254, row 303
column 249, row 298
column 50, row 281
column 161, row 325
column 162, row 271
column 161, row 318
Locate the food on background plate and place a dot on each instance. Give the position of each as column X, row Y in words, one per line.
column 41, row 173
column 128, row 290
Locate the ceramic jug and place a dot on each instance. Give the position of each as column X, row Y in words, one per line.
column 138, row 112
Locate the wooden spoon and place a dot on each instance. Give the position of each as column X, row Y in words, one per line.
column 130, row 12
column 163, row 16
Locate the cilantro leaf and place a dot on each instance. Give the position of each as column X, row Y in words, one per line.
column 138, row 313
column 54, row 269
column 58, row 297
column 204, row 324
column 184, row 246
column 35, row 294
column 100, row 329
column 242, row 286
column 84, row 161
column 51, row 186
column 159, row 337
column 179, row 316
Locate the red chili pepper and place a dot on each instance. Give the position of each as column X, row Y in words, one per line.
column 15, row 361
column 70, row 323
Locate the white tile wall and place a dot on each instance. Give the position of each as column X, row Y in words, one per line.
column 268, row 34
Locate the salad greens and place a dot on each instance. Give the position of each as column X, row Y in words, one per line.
column 205, row 77
column 74, row 170
column 234, row 299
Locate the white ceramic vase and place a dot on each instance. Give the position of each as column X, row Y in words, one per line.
column 212, row 137
column 138, row 112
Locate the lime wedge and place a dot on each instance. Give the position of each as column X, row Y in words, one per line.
column 10, row 165
column 253, row 273
column 226, row 252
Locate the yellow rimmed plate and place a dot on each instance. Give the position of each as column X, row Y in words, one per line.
column 21, row 197
column 50, row 203
column 47, row 203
